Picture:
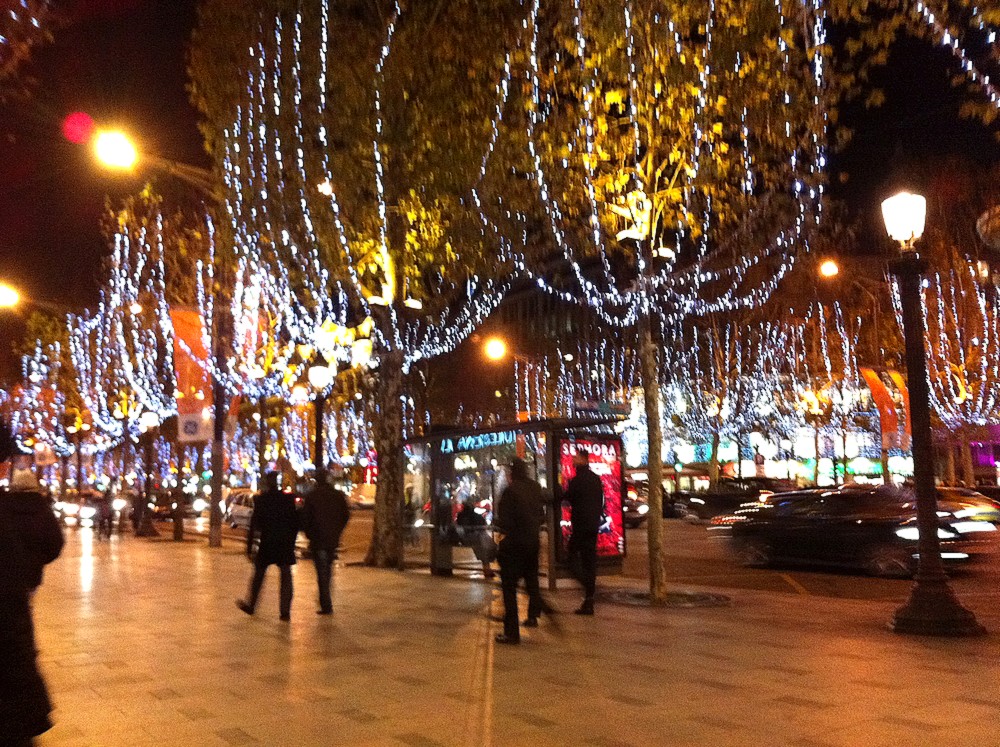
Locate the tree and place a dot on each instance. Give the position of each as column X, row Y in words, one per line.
column 675, row 152
column 347, row 159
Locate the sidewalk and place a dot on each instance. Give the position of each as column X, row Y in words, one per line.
column 141, row 644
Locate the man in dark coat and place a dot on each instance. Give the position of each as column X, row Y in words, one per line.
column 30, row 537
column 325, row 513
column 276, row 523
column 518, row 519
column 585, row 495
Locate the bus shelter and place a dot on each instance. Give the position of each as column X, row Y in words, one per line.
column 450, row 468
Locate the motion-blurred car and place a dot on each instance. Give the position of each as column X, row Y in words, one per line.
column 872, row 528
column 728, row 495
column 968, row 504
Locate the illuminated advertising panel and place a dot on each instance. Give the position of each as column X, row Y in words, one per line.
column 605, row 462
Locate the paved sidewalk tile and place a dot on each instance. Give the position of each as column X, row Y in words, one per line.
column 141, row 644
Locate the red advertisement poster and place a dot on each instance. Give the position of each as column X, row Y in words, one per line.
column 605, row 462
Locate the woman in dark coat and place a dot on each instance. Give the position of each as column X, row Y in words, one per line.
column 30, row 537
column 276, row 523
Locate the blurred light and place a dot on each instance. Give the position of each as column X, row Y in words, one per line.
column 78, row 127
column 135, row 307
column 115, row 150
column 829, row 269
column 320, row 376
column 904, row 216
column 119, row 504
column 495, row 349
column 325, row 188
column 9, row 298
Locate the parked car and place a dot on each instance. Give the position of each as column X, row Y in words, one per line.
column 240, row 508
column 728, row 495
column 872, row 528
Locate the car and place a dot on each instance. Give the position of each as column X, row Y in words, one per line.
column 76, row 509
column 871, row 528
column 728, row 495
column 634, row 508
column 362, row 495
column 240, row 508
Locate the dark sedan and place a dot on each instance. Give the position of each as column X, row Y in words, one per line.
column 869, row 528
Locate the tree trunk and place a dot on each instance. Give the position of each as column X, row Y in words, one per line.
column 713, row 462
column 386, row 548
column 654, row 466
column 949, row 464
column 968, row 471
column 739, row 457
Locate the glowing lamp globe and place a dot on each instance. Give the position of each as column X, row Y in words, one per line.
column 9, row 298
column 115, row 150
column 829, row 269
column 148, row 420
column 496, row 349
column 320, row 376
column 904, row 216
column 361, row 351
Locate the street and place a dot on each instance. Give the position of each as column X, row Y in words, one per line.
column 695, row 558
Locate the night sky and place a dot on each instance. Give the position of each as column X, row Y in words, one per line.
column 123, row 62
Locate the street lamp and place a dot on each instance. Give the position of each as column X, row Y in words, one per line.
column 114, row 149
column 932, row 608
column 320, row 377
column 495, row 349
column 9, row 297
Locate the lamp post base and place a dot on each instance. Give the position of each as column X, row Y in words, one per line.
column 933, row 610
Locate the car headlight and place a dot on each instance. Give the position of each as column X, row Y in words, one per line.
column 912, row 533
column 88, row 512
column 643, row 509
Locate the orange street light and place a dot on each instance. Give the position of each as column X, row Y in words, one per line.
column 829, row 269
column 114, row 149
column 9, row 297
column 495, row 349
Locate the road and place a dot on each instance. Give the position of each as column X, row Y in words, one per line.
column 693, row 558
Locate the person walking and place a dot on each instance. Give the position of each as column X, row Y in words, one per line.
column 585, row 495
column 518, row 519
column 274, row 523
column 325, row 513
column 474, row 532
column 30, row 538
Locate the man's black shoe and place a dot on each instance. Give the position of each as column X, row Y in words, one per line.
column 324, row 612
column 244, row 606
column 585, row 609
column 285, row 618
column 531, row 622
column 507, row 640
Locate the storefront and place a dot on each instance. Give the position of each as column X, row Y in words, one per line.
column 446, row 470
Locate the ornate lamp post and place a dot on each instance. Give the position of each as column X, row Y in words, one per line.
column 932, row 608
column 320, row 377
